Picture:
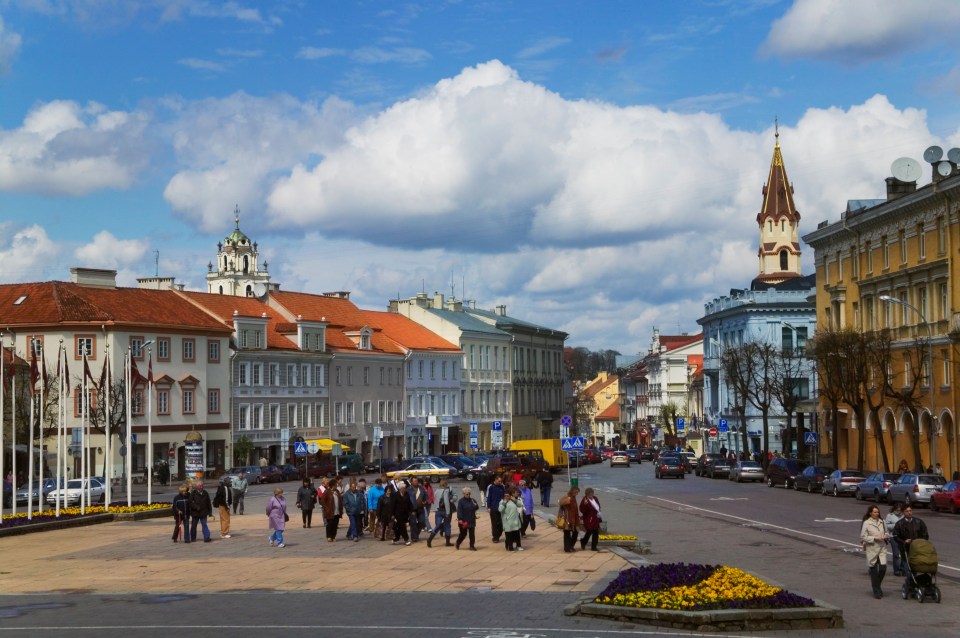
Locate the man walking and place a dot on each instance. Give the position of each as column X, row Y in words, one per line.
column 907, row 530
column 200, row 509
column 373, row 501
column 443, row 514
column 418, row 505
column 545, row 479
column 239, row 487
column 355, row 506
column 495, row 492
column 222, row 500
column 526, row 516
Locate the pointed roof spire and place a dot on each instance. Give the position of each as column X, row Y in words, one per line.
column 778, row 192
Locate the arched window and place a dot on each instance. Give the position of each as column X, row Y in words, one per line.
column 783, row 225
column 224, row 262
column 770, row 225
column 221, row 290
column 246, row 264
column 783, row 259
column 249, row 290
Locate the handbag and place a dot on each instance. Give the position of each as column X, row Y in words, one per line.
column 561, row 519
column 463, row 524
column 286, row 517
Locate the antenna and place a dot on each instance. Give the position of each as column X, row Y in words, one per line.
column 906, row 169
column 156, row 261
column 933, row 154
column 944, row 168
column 954, row 155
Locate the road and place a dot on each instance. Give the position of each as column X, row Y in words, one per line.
column 806, row 543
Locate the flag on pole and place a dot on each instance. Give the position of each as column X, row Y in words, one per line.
column 103, row 375
column 150, row 369
column 86, row 369
column 61, row 358
column 135, row 377
column 34, row 373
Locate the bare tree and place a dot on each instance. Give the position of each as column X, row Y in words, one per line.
column 738, row 366
column 906, row 395
column 824, row 348
column 788, row 371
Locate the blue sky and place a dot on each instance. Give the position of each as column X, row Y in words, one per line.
column 595, row 166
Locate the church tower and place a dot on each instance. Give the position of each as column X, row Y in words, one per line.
column 779, row 223
column 237, row 271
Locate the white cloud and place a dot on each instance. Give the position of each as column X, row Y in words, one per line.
column 107, row 251
column 201, row 65
column 316, row 53
column 860, row 30
column 9, row 46
column 65, row 148
column 26, row 254
column 542, row 46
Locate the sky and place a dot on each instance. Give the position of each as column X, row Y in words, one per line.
column 595, row 166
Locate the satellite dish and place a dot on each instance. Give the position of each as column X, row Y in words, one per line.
column 259, row 290
column 944, row 168
column 906, row 169
column 954, row 155
column 933, row 154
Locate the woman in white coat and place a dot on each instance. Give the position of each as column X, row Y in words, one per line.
column 874, row 537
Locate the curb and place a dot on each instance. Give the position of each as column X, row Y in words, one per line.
column 82, row 521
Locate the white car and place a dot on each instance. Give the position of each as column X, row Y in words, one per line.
column 70, row 496
column 620, row 458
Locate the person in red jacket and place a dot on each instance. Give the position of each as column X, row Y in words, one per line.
column 591, row 517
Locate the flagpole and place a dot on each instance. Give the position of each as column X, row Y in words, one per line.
column 3, row 386
column 13, row 425
column 42, row 455
column 33, row 388
column 61, row 426
column 108, row 464
column 149, row 471
column 129, row 456
column 83, row 437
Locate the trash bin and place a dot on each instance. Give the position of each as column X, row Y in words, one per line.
column 574, row 481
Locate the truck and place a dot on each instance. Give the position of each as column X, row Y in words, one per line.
column 555, row 458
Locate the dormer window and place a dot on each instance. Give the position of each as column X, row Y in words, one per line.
column 365, row 341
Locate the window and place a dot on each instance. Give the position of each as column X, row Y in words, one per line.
column 922, row 301
column 941, row 236
column 189, row 346
column 443, row 369
column 922, row 241
column 366, row 375
column 243, row 374
column 320, row 410
column 787, row 335
column 907, row 371
column 136, row 403
column 163, row 401
column 291, row 415
column 351, row 414
column 213, row 351
column 885, row 247
column 904, row 310
column 784, row 260
column 85, row 345
column 163, row 348
column 338, row 413
column 35, row 346
column 188, row 401
column 274, row 413
column 433, row 369
column 273, row 370
column 256, row 416
column 305, row 375
column 136, row 347
column 871, row 325
column 243, row 415
column 854, row 261
column 213, row 401
column 390, row 411
column 868, row 249
column 292, row 375
column 903, row 246
column 942, row 292
column 367, row 417
column 319, row 376
column 472, row 357
column 349, row 376
column 946, row 368
column 420, row 369
column 304, row 419
column 839, row 267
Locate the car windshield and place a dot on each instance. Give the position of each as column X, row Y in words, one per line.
column 752, row 464
column 932, row 480
column 75, row 484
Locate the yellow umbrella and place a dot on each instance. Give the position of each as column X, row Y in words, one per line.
column 326, row 445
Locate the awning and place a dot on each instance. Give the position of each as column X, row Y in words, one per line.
column 326, row 445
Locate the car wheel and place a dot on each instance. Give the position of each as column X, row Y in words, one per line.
column 470, row 476
column 796, row 486
column 823, row 490
column 769, row 482
column 836, row 492
column 786, row 483
column 933, row 506
column 858, row 495
column 877, row 496
column 953, row 508
column 809, row 488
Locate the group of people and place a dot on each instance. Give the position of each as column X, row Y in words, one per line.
column 574, row 517
column 192, row 507
column 897, row 530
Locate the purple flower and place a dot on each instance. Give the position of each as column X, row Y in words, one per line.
column 657, row 577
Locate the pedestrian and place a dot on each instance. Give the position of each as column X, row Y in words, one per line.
column 938, row 469
column 510, row 512
column 467, row 519
column 385, row 510
column 891, row 520
column 324, row 485
column 355, row 506
column 874, row 537
column 571, row 522
column 362, row 488
column 277, row 517
column 495, row 493
column 526, row 516
column 484, row 479
column 181, row 514
column 903, row 468
column 443, row 513
column 200, row 509
column 239, row 487
column 373, row 505
column 428, row 503
column 907, row 530
column 222, row 501
column 306, row 501
column 418, row 508
column 545, row 480
column 591, row 516
column 401, row 509
column 332, row 504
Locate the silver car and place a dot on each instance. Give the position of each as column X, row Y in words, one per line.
column 70, row 495
column 842, row 482
column 915, row 488
column 877, row 486
column 49, row 484
column 746, row 471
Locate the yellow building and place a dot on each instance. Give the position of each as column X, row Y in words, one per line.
column 895, row 264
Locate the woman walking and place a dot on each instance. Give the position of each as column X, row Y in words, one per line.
column 181, row 514
column 306, row 501
column 891, row 520
column 590, row 513
column 510, row 512
column 332, row 504
column 874, row 536
column 467, row 519
column 277, row 515
column 385, row 511
column 568, row 506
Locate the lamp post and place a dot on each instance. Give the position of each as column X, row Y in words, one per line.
column 933, row 419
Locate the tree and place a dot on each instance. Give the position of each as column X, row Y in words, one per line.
column 738, row 364
column 824, row 349
column 668, row 417
column 242, row 450
column 788, row 372
column 906, row 396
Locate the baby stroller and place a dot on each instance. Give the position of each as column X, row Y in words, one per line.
column 922, row 558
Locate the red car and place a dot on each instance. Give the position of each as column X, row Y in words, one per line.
column 593, row 455
column 947, row 498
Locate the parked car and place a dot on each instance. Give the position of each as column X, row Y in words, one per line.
column 784, row 471
column 593, row 455
column 289, row 472
column 621, row 459
column 577, row 458
column 425, row 471
column 313, row 466
column 647, row 454
column 464, row 465
column 607, row 453
column 348, row 464
column 634, row 455
column 269, row 474
column 689, row 460
column 841, row 482
column 669, row 466
column 49, row 484
column 746, row 471
column 811, row 478
column 915, row 488
column 877, row 486
column 946, row 498
column 701, row 466
column 381, row 465
column 717, row 466
column 70, row 495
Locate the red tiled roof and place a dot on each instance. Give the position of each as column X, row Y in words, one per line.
column 223, row 307
column 672, row 342
column 59, row 302
column 612, row 413
column 407, row 333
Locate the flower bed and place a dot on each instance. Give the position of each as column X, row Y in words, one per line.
column 71, row 516
column 616, row 537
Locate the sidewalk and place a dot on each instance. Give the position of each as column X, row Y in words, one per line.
column 124, row 557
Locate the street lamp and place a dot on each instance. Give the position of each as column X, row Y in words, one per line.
column 900, row 302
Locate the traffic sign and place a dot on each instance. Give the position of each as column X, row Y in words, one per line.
column 300, row 448
column 723, row 425
column 572, row 443
column 679, row 423
column 643, row 432
column 313, row 447
column 474, row 441
column 566, row 420
column 809, row 438
column 498, row 426
column 712, row 432
column 474, row 426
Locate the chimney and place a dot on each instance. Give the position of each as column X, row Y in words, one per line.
column 95, row 277
column 438, row 301
column 155, row 283
column 338, row 294
column 897, row 189
column 501, row 310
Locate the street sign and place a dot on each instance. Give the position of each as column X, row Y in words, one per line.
column 643, row 432
column 474, row 441
column 300, row 448
column 444, row 436
column 565, row 420
column 313, row 447
column 679, row 423
column 572, row 443
column 723, row 425
column 474, row 426
column 133, row 438
column 377, row 433
column 336, row 449
column 809, row 438
column 564, row 431
column 712, row 432
column 498, row 426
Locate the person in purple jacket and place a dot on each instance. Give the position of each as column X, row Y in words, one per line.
column 277, row 515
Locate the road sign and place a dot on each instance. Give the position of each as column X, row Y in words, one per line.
column 566, row 420
column 498, row 426
column 809, row 438
column 313, row 447
column 474, row 441
column 564, row 431
column 300, row 448
column 444, row 436
column 679, row 423
column 643, row 432
column 712, row 432
column 572, row 443
column 474, row 426
column 723, row 425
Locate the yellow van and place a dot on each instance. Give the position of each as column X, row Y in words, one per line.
column 550, row 449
